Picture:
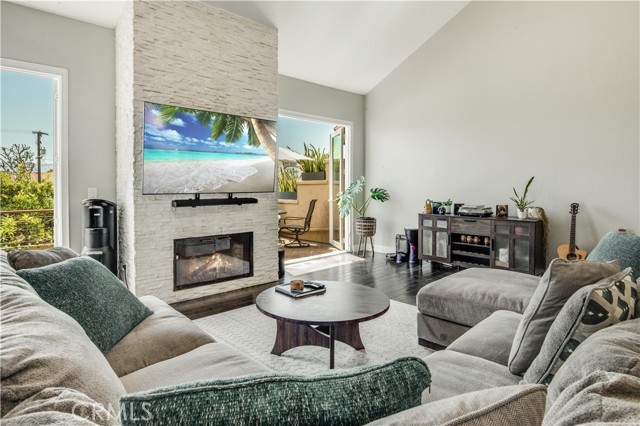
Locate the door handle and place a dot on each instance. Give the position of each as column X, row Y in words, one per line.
column 470, row 220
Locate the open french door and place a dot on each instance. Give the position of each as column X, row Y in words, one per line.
column 337, row 178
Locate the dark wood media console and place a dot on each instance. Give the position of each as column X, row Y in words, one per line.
column 489, row 242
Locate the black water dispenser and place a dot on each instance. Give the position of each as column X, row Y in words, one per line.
column 99, row 232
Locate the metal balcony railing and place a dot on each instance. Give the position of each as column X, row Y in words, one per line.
column 26, row 229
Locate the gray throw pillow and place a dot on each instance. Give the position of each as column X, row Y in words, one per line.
column 561, row 279
column 521, row 405
column 344, row 397
column 60, row 406
column 42, row 347
column 602, row 397
column 23, row 259
column 614, row 349
column 86, row 290
column 589, row 310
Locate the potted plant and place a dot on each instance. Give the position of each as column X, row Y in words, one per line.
column 287, row 183
column 347, row 200
column 314, row 169
column 446, row 204
column 521, row 202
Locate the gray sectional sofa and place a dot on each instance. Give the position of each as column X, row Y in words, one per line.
column 471, row 383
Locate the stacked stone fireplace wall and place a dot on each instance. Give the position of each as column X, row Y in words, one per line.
column 189, row 54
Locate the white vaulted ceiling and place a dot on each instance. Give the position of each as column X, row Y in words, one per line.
column 348, row 45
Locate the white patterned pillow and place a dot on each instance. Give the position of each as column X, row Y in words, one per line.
column 590, row 309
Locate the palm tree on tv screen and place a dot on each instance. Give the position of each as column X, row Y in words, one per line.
column 260, row 132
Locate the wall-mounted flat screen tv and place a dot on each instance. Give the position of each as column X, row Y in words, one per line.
column 190, row 151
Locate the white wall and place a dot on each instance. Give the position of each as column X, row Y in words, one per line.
column 509, row 90
column 87, row 51
column 194, row 55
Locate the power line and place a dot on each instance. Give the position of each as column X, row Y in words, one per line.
column 14, row 131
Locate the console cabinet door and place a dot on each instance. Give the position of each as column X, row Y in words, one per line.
column 512, row 247
column 434, row 238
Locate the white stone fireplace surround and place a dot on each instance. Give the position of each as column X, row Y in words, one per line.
column 189, row 54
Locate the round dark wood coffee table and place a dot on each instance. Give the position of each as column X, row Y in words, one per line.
column 322, row 319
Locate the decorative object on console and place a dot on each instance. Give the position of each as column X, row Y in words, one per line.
column 570, row 251
column 456, row 207
column 591, row 308
column 521, row 201
column 227, row 153
column 428, row 208
column 502, row 210
column 561, row 280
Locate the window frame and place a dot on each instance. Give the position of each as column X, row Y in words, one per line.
column 60, row 77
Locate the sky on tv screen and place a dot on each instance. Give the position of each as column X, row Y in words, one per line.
column 185, row 133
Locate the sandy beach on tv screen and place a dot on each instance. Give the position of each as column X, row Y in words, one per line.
column 191, row 177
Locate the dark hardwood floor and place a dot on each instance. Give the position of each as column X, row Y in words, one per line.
column 400, row 282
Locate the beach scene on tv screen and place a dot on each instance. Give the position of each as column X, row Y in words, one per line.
column 192, row 151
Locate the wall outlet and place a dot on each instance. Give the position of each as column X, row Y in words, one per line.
column 92, row 193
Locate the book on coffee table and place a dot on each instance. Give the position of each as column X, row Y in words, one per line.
column 310, row 288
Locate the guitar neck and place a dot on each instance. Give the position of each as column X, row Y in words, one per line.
column 572, row 236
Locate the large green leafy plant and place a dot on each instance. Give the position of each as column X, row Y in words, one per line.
column 348, row 199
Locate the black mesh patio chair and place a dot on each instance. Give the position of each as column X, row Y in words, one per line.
column 298, row 229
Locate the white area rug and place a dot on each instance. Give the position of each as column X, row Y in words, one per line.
column 307, row 266
column 391, row 336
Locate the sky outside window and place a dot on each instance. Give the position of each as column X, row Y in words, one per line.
column 27, row 105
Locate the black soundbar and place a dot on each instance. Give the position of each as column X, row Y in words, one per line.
column 197, row 202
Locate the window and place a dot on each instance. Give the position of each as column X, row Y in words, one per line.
column 34, row 204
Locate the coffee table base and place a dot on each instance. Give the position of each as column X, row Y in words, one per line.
column 291, row 335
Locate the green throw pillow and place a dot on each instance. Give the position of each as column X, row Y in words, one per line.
column 347, row 397
column 87, row 291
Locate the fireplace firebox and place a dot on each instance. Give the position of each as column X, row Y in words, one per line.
column 207, row 260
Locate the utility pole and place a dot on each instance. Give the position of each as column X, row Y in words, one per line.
column 39, row 155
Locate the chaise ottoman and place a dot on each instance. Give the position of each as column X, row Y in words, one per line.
column 447, row 308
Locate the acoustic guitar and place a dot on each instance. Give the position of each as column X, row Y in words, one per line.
column 570, row 251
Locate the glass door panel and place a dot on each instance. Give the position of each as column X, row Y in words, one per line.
column 427, row 242
column 521, row 255
column 502, row 252
column 442, row 239
column 503, row 229
column 336, row 185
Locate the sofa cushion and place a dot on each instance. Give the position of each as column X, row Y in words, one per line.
column 491, row 338
column 600, row 397
column 211, row 361
column 163, row 335
column 469, row 296
column 502, row 406
column 60, row 406
column 561, row 279
column 354, row 396
column 8, row 275
column 23, row 259
column 590, row 309
column 621, row 246
column 454, row 373
column 42, row 347
column 86, row 290
column 615, row 349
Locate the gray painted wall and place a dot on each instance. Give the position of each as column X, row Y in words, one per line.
column 308, row 98
column 505, row 91
column 87, row 51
